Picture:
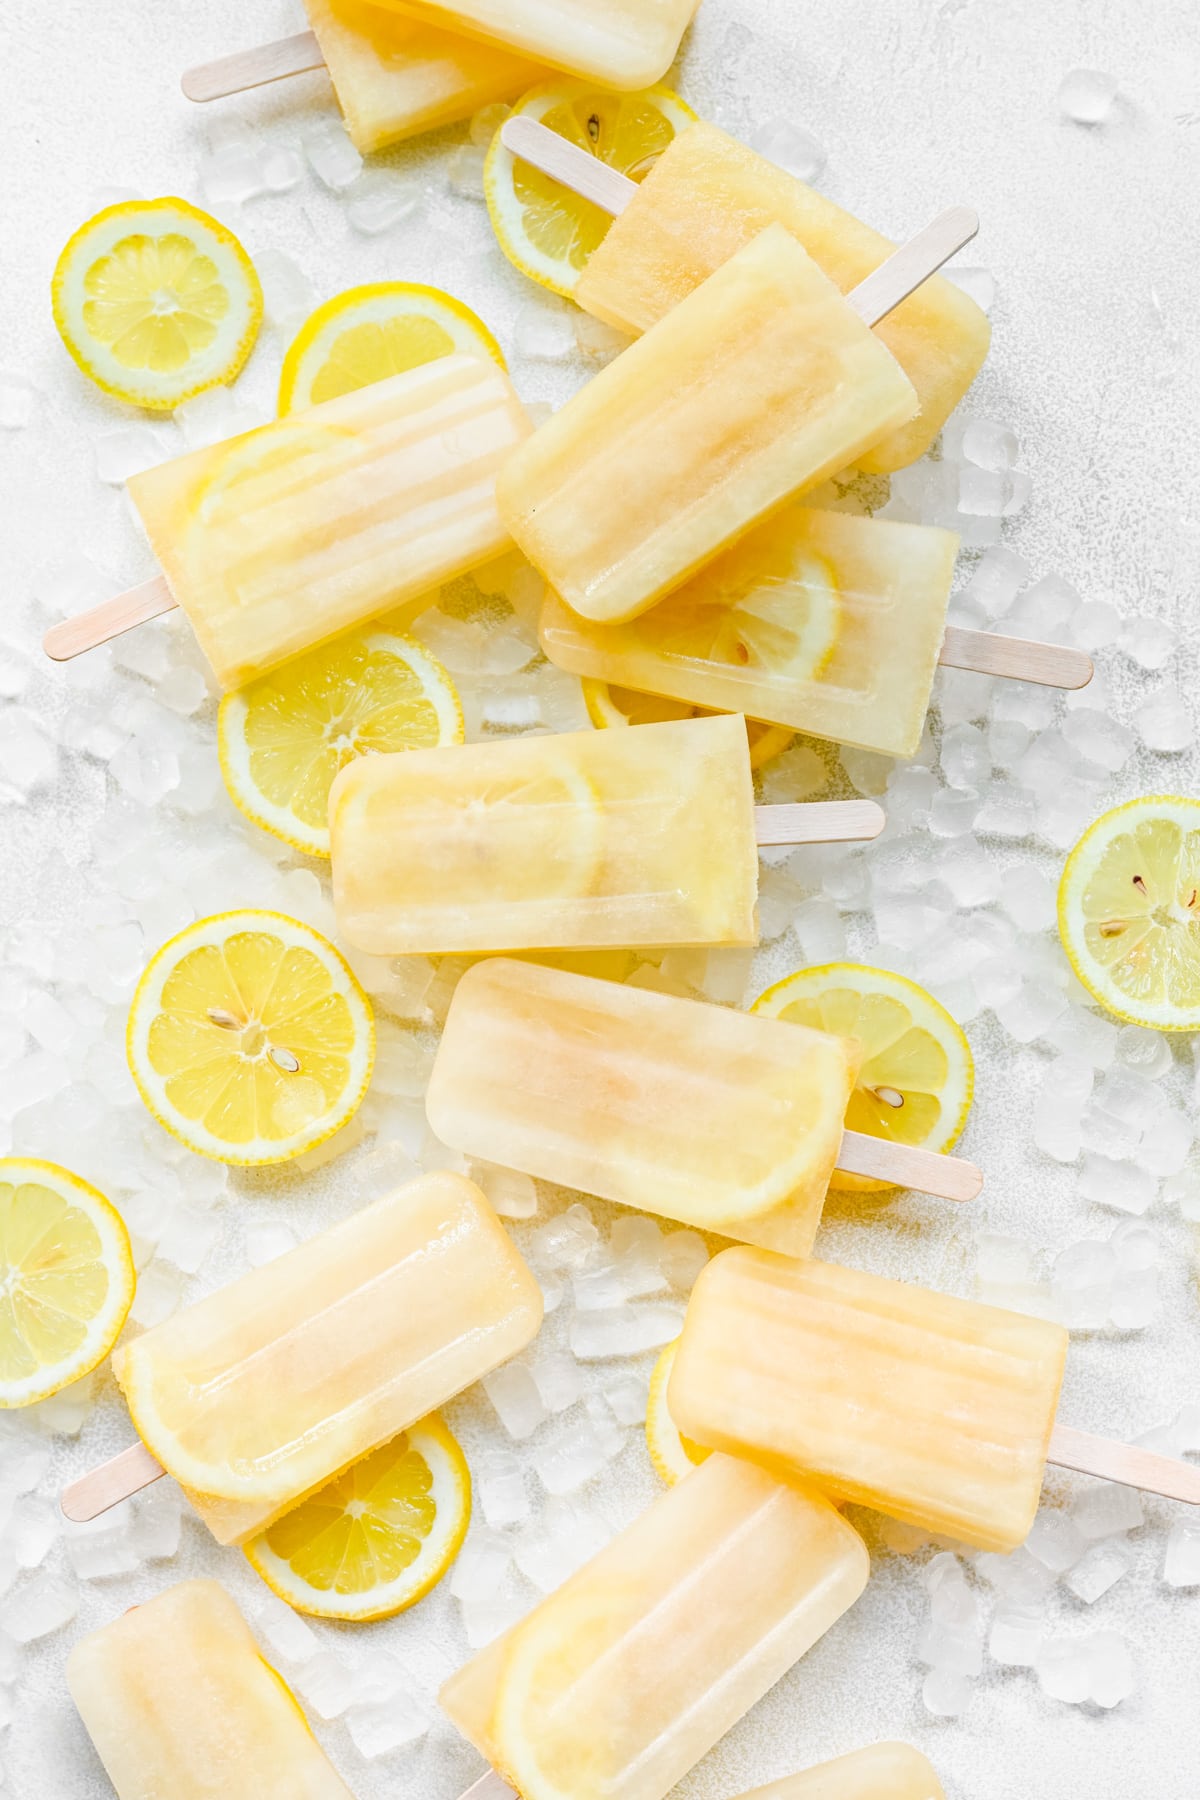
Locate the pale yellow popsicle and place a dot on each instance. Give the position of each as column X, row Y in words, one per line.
column 265, row 1390
column 935, row 1410
column 576, row 841
column 725, row 1120
column 622, row 1680
column 880, row 1772
column 826, row 622
column 395, row 77
column 178, row 1701
column 273, row 542
column 707, row 196
column 758, row 385
column 621, row 44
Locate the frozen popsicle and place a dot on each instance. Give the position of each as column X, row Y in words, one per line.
column 879, row 1772
column 278, row 540
column 762, row 382
column 259, row 1394
column 827, row 622
column 622, row 1680
column 577, row 841
column 725, row 1120
column 936, row 1410
column 393, row 76
column 179, row 1701
column 623, row 44
column 708, row 195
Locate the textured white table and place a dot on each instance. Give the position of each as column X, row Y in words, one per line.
column 919, row 105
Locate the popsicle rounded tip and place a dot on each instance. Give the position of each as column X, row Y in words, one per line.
column 196, row 84
column 57, row 643
column 1077, row 667
column 873, row 818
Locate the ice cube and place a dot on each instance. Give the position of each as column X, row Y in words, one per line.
column 379, row 200
column 465, row 170
column 1107, row 1509
column 1064, row 1670
column 482, row 1567
column 331, row 156
column 945, row 1692
column 1015, row 1639
column 1181, row 1567
column 784, row 142
column 572, row 1456
column 1085, row 1035
column 1007, row 811
column 500, row 1485
column 1032, row 1011
column 1163, row 721
column 819, row 930
column 514, row 1394
column 1083, row 1284
column 953, row 812
column 159, row 1292
column 1098, row 1570
column 1150, row 643
column 28, row 760
column 381, row 1727
column 948, row 1647
column 32, row 1531
column 564, row 1242
column 868, row 772
column 266, row 1239
column 565, row 1537
column 1127, row 1186
column 999, row 576
column 486, row 123
column 636, row 1244
column 980, row 284
column 36, row 1607
column 1055, row 1541
column 1112, row 1672
column 284, row 1631
column 154, row 1527
column 1135, row 1300
column 1086, row 96
column 684, row 1254
column 626, row 1397
column 288, row 294
column 326, row 1683
column 986, row 443
column 486, row 1620
column 1098, row 738
column 127, row 450
column 18, row 400
column 543, row 331
column 1146, row 1051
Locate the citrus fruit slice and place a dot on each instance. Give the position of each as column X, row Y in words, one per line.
column 66, row 1279
column 249, row 1038
column 369, row 333
column 671, row 1453
column 156, row 301
column 608, row 706
column 1129, row 911
column 283, row 738
column 917, row 1075
column 779, row 623
column 545, row 230
column 376, row 1538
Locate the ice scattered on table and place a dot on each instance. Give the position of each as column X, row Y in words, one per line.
column 784, row 142
column 1086, row 96
column 379, row 200
column 331, row 156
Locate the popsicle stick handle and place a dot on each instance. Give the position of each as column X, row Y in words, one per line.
column 489, row 1787
column 253, row 68
column 1128, row 1464
column 907, row 1165
column 914, row 262
column 575, row 168
column 818, row 822
column 1020, row 659
column 114, row 1481
column 87, row 630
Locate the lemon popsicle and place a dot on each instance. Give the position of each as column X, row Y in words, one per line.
column 261, row 1392
column 879, row 1772
column 622, row 44
column 936, row 1410
column 707, row 196
column 393, row 76
column 827, row 622
column 722, row 1119
column 178, row 1700
column 757, row 386
column 276, row 541
column 576, row 841
column 621, row 1681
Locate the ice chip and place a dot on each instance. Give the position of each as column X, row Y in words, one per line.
column 789, row 145
column 1163, row 721
column 946, row 1692
column 36, row 1607
column 1086, row 96
column 1098, row 1570
column 1055, row 1541
column 331, row 156
column 379, row 200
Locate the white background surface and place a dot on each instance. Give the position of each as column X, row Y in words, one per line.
column 920, row 105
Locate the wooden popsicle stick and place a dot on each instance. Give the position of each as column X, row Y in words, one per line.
column 108, row 620
column 1128, row 1464
column 1019, row 659
column 907, row 1165
column 253, row 68
column 818, row 822
column 114, row 1481
column 577, row 169
column 489, row 1787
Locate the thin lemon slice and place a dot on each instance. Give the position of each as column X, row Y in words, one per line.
column 376, row 1538
column 545, row 230
column 156, row 301
column 249, row 1038
column 66, row 1279
column 369, row 333
column 780, row 622
column 614, row 706
column 671, row 1453
column 1129, row 911
column 917, row 1075
column 283, row 738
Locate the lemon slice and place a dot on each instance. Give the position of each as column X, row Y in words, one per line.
column 283, row 738
column 369, row 333
column 376, row 1538
column 156, row 301
column 545, row 230
column 66, row 1279
column 780, row 622
column 1129, row 911
column 671, row 1453
column 917, row 1076
column 608, row 706
column 249, row 1038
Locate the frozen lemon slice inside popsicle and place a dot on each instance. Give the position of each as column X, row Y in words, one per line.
column 705, row 198
column 880, row 1772
column 619, row 43
column 757, row 386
